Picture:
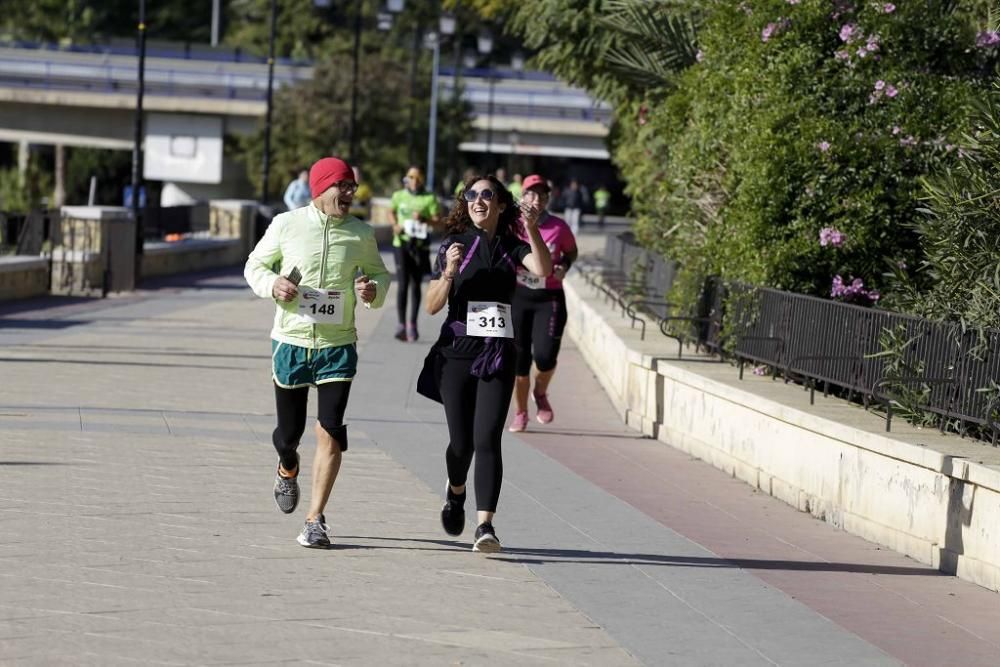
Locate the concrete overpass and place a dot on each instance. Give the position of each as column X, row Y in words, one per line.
column 193, row 101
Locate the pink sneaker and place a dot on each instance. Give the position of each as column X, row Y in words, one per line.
column 545, row 414
column 519, row 423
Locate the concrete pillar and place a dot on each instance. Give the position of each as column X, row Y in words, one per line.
column 59, row 191
column 23, row 158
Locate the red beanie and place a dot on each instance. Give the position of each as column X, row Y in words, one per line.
column 327, row 172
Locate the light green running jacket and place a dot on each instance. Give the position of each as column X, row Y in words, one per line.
column 329, row 253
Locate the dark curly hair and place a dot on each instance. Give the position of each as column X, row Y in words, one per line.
column 458, row 218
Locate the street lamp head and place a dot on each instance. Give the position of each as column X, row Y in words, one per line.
column 484, row 42
column 447, row 24
column 469, row 59
column 517, row 61
column 395, row 6
column 383, row 21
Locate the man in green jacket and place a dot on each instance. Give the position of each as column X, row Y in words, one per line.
column 315, row 262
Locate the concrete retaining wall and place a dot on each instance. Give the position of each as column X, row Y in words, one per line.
column 195, row 254
column 935, row 498
column 22, row 277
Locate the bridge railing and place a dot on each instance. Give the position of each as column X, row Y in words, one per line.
column 903, row 362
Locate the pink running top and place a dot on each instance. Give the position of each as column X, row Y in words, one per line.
column 559, row 238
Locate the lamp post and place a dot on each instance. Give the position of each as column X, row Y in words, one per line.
column 353, row 151
column 446, row 25
column 266, row 167
column 136, row 146
column 484, row 44
column 432, row 121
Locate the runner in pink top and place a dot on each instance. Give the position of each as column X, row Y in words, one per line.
column 539, row 308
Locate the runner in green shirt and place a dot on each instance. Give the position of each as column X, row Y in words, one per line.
column 601, row 200
column 413, row 213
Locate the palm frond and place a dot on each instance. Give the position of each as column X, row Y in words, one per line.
column 657, row 40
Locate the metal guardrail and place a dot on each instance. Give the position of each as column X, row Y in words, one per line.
column 183, row 51
column 944, row 370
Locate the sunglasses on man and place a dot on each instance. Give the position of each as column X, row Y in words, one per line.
column 473, row 195
column 346, row 186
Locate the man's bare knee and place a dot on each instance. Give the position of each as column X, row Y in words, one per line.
column 332, row 436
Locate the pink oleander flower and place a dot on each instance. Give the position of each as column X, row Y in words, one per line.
column 824, row 146
column 888, row 8
column 849, row 32
column 842, row 54
column 854, row 292
column 880, row 84
column 987, row 39
column 831, row 236
column 768, row 31
column 896, row 129
column 890, row 91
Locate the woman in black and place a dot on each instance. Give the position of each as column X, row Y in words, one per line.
column 472, row 363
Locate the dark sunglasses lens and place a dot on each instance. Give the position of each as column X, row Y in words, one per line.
column 485, row 193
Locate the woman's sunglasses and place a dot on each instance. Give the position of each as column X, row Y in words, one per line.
column 472, row 195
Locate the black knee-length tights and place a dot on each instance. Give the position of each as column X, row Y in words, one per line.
column 476, row 411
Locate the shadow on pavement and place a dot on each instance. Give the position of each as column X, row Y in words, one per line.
column 543, row 556
column 228, row 278
column 32, row 463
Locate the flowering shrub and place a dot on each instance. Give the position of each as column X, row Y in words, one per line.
column 803, row 120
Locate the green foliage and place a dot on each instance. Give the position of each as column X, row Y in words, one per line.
column 74, row 21
column 902, row 383
column 22, row 194
column 783, row 129
column 313, row 119
column 959, row 277
column 113, row 168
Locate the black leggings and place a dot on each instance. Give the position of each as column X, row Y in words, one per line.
column 539, row 320
column 476, row 410
column 291, row 405
column 409, row 273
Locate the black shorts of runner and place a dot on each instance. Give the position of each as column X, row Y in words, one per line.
column 539, row 320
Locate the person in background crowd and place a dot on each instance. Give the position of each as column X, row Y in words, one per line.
column 470, row 369
column 307, row 263
column 574, row 198
column 361, row 205
column 601, row 200
column 413, row 212
column 539, row 309
column 501, row 175
column 460, row 186
column 297, row 193
column 515, row 187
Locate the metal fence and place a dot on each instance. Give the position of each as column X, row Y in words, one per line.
column 26, row 233
column 897, row 360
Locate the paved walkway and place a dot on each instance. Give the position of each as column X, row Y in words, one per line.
column 137, row 524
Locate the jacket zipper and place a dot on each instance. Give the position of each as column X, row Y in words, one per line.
column 322, row 264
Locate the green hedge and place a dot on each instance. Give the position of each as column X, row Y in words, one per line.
column 802, row 117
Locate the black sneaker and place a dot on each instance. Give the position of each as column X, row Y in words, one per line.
column 486, row 539
column 314, row 536
column 286, row 492
column 453, row 512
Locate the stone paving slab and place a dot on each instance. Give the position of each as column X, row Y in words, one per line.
column 138, row 523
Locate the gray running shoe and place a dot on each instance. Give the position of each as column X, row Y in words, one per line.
column 286, row 493
column 486, row 539
column 313, row 536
